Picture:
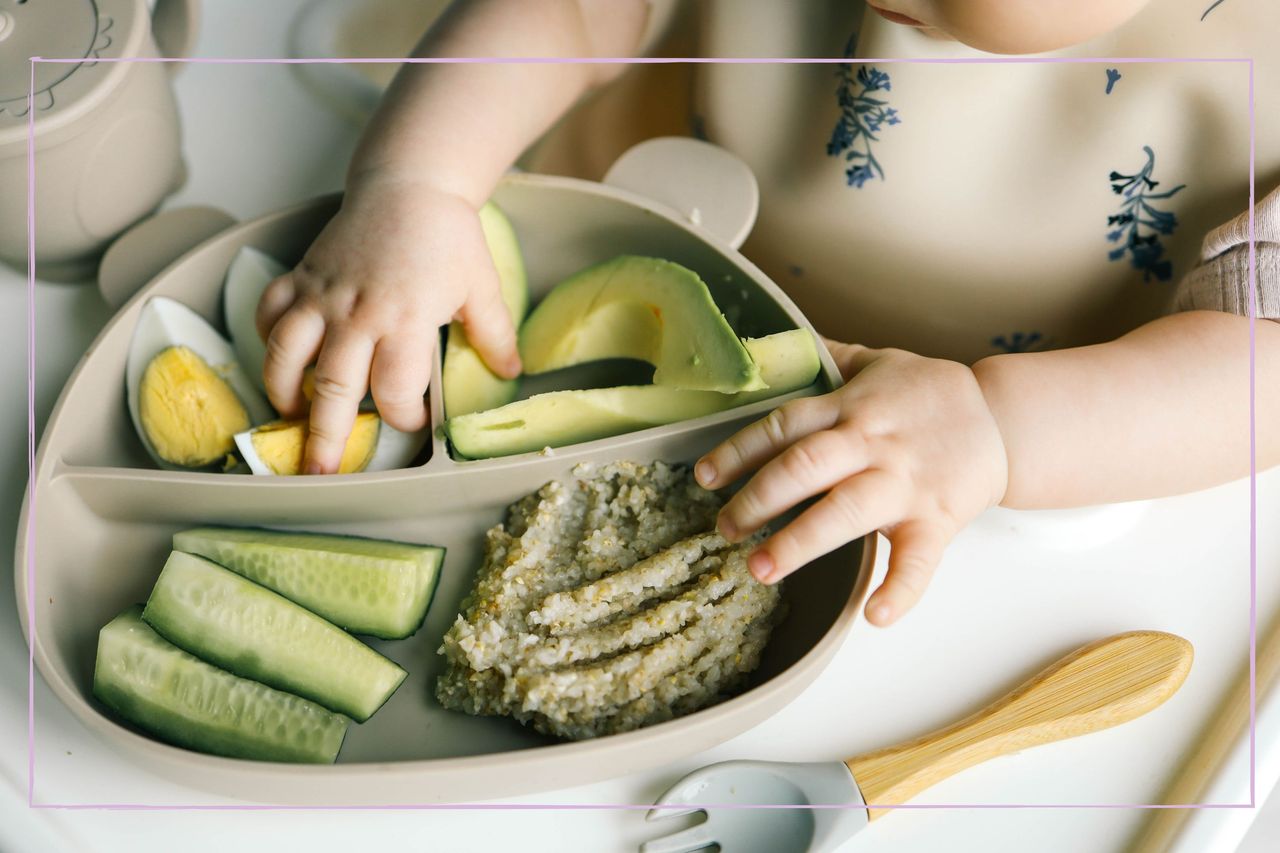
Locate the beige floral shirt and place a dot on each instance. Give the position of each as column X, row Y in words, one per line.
column 961, row 210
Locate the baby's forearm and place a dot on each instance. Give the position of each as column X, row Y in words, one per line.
column 1160, row 411
column 456, row 127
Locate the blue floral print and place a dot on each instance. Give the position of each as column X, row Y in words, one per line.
column 698, row 126
column 1113, row 75
column 861, row 117
column 1214, row 5
column 1019, row 342
column 1138, row 211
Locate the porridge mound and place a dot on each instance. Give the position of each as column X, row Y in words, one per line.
column 605, row 604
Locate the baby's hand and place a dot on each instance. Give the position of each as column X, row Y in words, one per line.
column 365, row 305
column 907, row 446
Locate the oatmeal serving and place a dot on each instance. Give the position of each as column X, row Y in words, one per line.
column 605, row 604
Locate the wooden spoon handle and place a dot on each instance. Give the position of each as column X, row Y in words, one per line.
column 1101, row 685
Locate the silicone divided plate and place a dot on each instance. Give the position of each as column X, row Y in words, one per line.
column 104, row 517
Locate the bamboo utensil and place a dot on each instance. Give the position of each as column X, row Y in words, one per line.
column 1103, row 684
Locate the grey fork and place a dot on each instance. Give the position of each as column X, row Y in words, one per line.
column 1098, row 686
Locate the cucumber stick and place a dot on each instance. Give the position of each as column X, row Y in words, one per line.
column 158, row 687
column 251, row 631
column 367, row 586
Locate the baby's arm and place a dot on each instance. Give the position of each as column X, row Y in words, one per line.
column 405, row 253
column 918, row 447
column 1163, row 410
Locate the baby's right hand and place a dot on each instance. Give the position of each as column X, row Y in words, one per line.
column 365, row 305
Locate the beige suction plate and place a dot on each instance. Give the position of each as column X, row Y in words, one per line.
column 103, row 518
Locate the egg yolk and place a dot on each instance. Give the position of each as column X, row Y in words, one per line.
column 189, row 412
column 279, row 444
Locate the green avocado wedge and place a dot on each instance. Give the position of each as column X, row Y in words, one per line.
column 643, row 308
column 788, row 362
column 469, row 385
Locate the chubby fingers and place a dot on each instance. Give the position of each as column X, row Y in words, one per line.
column 759, row 442
column 916, row 550
column 292, row 344
column 850, row 358
column 277, row 298
column 399, row 377
column 341, row 378
column 489, row 327
column 859, row 505
column 812, row 465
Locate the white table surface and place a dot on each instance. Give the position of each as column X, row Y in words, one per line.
column 1005, row 602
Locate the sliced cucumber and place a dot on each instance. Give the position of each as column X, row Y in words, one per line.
column 179, row 698
column 247, row 629
column 367, row 586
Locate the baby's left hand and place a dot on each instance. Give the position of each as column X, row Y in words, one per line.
column 907, row 446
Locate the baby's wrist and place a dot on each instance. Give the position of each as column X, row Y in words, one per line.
column 376, row 183
column 986, row 372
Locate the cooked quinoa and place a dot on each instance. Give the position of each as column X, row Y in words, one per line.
column 605, row 604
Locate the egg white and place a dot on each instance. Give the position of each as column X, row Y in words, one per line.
column 391, row 449
column 396, row 449
column 250, row 272
column 168, row 323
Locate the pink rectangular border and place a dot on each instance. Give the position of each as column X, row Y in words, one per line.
column 31, row 436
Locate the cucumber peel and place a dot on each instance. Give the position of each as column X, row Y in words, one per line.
column 367, row 586
column 156, row 686
column 248, row 630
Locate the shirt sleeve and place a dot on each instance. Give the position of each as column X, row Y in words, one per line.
column 1221, row 281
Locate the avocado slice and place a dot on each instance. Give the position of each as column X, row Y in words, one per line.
column 788, row 361
column 469, row 385
column 644, row 308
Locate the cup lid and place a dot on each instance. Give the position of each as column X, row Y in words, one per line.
column 84, row 30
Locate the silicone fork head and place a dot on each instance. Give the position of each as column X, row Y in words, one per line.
column 772, row 828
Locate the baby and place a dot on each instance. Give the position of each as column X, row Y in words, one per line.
column 1044, row 367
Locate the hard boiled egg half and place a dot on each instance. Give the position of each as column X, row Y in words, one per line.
column 276, row 447
column 188, row 395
